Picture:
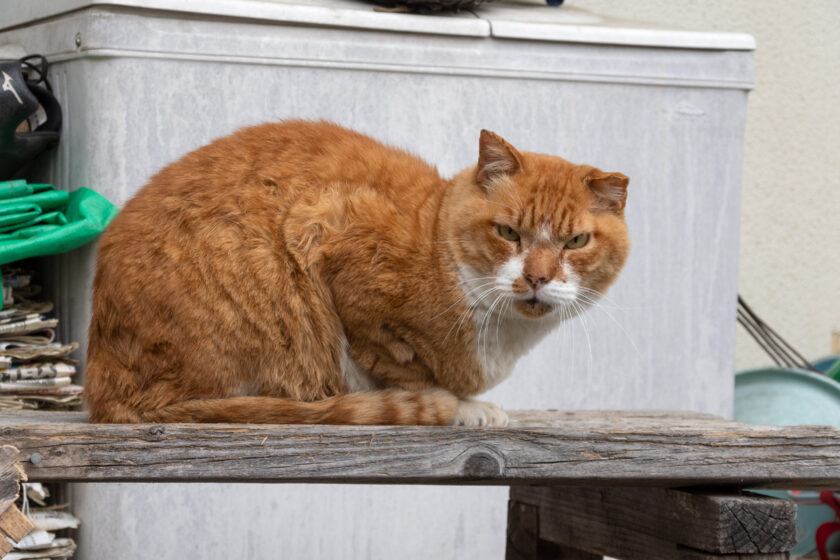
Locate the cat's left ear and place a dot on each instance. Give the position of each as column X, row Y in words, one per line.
column 496, row 158
column 610, row 189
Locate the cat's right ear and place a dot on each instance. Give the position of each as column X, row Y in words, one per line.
column 496, row 159
column 610, row 189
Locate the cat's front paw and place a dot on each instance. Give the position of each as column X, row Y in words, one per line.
column 477, row 413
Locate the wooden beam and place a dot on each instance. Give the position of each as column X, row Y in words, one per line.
column 522, row 531
column 524, row 543
column 643, row 523
column 561, row 448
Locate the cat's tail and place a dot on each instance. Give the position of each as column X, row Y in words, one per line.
column 388, row 407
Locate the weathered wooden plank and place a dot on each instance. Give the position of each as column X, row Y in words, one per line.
column 642, row 523
column 11, row 475
column 14, row 524
column 564, row 449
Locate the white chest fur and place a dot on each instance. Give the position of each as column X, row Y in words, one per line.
column 501, row 341
column 502, row 334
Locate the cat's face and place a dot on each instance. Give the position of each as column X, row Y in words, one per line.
column 534, row 235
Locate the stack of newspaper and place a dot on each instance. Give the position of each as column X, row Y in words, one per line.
column 35, row 370
column 43, row 542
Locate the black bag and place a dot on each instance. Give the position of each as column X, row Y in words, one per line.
column 30, row 116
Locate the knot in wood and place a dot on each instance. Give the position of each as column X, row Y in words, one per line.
column 156, row 430
column 483, row 464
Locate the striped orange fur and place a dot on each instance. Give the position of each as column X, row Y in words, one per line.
column 300, row 272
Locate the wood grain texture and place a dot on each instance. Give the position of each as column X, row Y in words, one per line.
column 563, row 449
column 11, row 475
column 12, row 522
column 15, row 524
column 641, row 523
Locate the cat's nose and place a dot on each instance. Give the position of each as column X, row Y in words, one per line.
column 536, row 281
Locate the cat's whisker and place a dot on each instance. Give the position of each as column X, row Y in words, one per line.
column 497, row 287
column 485, row 324
column 570, row 336
column 467, row 312
column 464, row 314
column 504, row 311
column 601, row 298
column 503, row 299
column 463, row 320
column 499, row 318
column 560, row 311
column 465, row 294
column 488, row 313
column 597, row 305
column 587, row 300
column 489, row 310
column 586, row 334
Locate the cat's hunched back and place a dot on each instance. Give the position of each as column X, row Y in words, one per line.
column 300, row 272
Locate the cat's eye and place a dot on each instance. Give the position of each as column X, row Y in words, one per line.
column 577, row 241
column 508, row 233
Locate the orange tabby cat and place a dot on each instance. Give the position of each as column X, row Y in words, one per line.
column 304, row 273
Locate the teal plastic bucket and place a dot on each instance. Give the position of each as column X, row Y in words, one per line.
column 790, row 397
column 786, row 397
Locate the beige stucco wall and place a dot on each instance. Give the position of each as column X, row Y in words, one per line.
column 790, row 220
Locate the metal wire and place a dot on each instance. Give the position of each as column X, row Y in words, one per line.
column 780, row 350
